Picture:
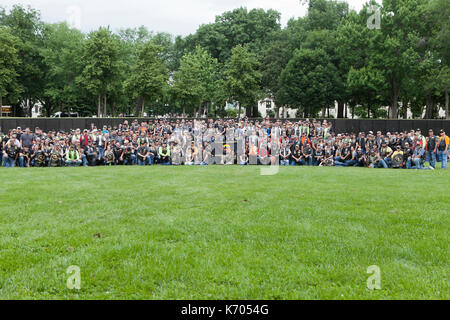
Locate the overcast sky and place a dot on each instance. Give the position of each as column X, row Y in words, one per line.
column 179, row 17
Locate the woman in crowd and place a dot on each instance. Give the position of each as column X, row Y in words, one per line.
column 208, row 142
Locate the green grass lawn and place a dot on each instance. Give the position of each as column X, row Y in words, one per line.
column 224, row 233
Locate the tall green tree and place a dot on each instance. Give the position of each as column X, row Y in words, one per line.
column 274, row 59
column 61, row 53
column 401, row 27
column 307, row 81
column 27, row 26
column 149, row 75
column 9, row 65
column 237, row 27
column 438, row 12
column 243, row 79
column 101, row 66
column 195, row 82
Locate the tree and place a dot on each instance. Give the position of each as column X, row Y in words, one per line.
column 307, row 81
column 9, row 65
column 232, row 28
column 149, row 75
column 274, row 59
column 243, row 79
column 402, row 26
column 438, row 16
column 365, row 84
column 61, row 53
column 101, row 65
column 26, row 25
column 196, row 80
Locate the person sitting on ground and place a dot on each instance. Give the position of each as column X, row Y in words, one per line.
column 73, row 157
column 164, row 154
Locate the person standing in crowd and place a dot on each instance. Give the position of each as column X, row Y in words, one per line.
column 26, row 139
column 431, row 148
column 444, row 141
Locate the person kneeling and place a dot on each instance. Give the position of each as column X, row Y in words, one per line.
column 72, row 157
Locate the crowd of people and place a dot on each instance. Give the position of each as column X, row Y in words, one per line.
column 223, row 142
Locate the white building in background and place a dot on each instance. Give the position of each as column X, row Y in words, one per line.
column 36, row 110
column 267, row 105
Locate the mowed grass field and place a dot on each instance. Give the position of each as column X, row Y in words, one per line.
column 224, row 233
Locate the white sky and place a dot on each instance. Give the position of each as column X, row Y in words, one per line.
column 178, row 17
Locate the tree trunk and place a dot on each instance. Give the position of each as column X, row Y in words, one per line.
column 184, row 109
column 248, row 112
column 113, row 109
column 405, row 110
column 239, row 112
column 255, row 111
column 393, row 111
column 446, row 103
column 99, row 104
column 429, row 107
column 142, row 108
column 345, row 111
column 340, row 109
column 138, row 106
column 1, row 106
column 104, row 106
column 324, row 109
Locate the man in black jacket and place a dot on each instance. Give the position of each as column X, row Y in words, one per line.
column 431, row 148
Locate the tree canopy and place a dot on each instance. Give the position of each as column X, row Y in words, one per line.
column 390, row 59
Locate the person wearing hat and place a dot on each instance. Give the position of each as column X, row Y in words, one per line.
column 443, row 148
column 72, row 157
column 386, row 153
column 164, row 154
column 431, row 148
column 397, row 158
column 11, row 152
column 91, row 154
column 143, row 154
column 417, row 159
column 419, row 138
column 85, row 138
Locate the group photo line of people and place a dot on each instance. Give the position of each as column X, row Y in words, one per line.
column 223, row 142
